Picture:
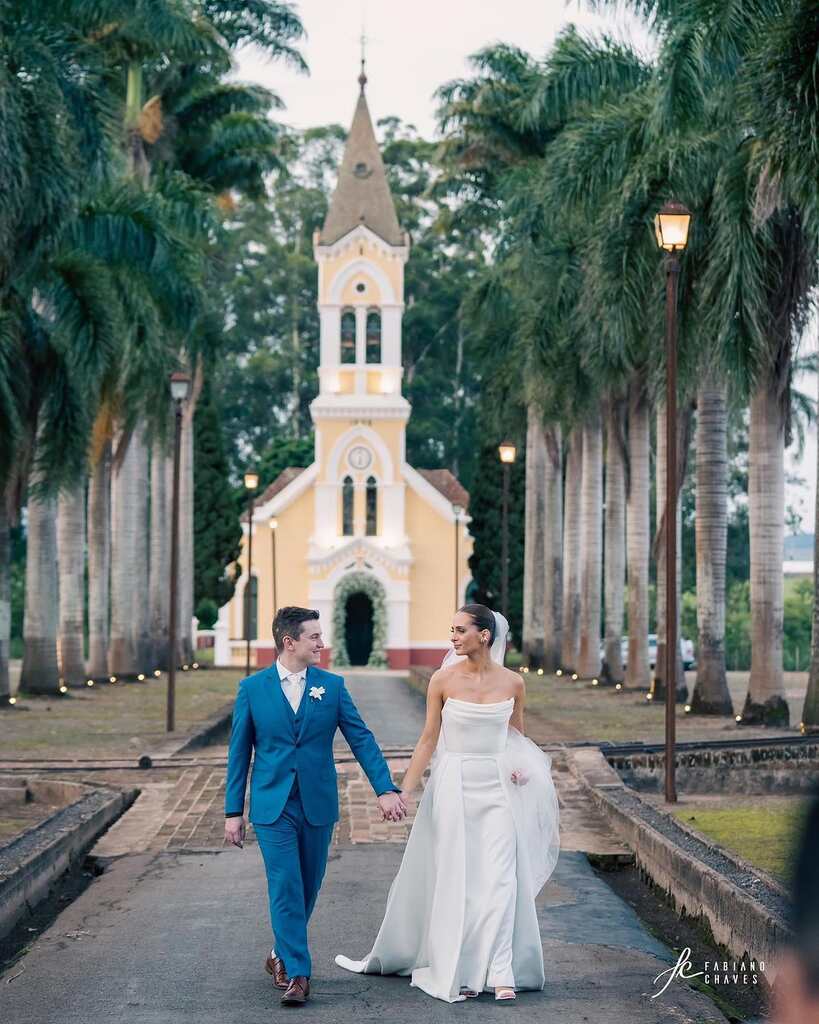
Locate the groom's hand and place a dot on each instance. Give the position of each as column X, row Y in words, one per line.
column 235, row 830
column 392, row 806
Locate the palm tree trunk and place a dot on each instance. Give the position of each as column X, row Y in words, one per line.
column 591, row 547
column 40, row 672
column 615, row 544
column 638, row 540
column 571, row 551
column 71, row 549
column 765, row 702
column 810, row 710
column 535, row 567
column 129, row 560
column 5, row 602
column 186, row 485
column 99, row 562
column 711, row 695
column 658, row 683
column 553, row 549
column 161, row 483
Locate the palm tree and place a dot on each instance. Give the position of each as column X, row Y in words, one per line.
column 591, row 543
column 40, row 673
column 553, row 549
column 99, row 561
column 5, row 605
column 161, row 486
column 570, row 652
column 614, row 546
column 71, row 556
column 711, row 695
column 535, row 565
column 638, row 538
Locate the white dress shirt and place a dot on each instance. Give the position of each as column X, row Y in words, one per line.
column 293, row 684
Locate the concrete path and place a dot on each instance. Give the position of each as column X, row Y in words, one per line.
column 180, row 936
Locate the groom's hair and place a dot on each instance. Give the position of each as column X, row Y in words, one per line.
column 288, row 622
column 482, row 617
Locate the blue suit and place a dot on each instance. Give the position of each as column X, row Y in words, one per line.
column 293, row 792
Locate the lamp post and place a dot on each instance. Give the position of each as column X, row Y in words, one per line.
column 274, row 522
column 507, row 452
column 671, row 226
column 251, row 483
column 180, row 388
column 457, row 511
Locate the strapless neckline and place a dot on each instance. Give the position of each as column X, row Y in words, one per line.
column 480, row 704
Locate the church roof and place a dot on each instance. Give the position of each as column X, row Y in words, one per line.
column 282, row 480
column 451, row 488
column 362, row 195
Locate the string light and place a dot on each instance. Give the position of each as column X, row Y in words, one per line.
column 574, row 675
column 12, row 700
column 595, row 682
column 112, row 679
column 141, row 676
column 540, row 671
column 618, row 686
column 649, row 696
column 63, row 688
column 559, row 672
column 89, row 682
column 687, row 708
column 738, row 718
column 157, row 673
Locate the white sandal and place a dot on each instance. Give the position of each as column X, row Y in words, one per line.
column 469, row 993
column 504, row 994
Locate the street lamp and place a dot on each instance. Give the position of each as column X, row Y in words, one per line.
column 251, row 483
column 671, row 229
column 274, row 522
column 457, row 511
column 180, row 389
column 507, row 452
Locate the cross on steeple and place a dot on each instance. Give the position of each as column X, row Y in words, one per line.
column 362, row 78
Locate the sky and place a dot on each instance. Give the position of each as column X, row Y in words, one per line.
column 412, row 48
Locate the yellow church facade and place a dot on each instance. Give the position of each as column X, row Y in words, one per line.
column 378, row 547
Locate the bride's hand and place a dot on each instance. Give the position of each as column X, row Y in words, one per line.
column 518, row 778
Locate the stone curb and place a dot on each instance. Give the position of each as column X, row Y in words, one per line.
column 36, row 858
column 746, row 909
column 209, row 731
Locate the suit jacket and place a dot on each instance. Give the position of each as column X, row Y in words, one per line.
column 288, row 746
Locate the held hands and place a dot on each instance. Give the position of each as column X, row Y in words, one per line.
column 393, row 807
column 519, row 778
column 235, row 831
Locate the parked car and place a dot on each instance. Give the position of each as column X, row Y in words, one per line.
column 686, row 650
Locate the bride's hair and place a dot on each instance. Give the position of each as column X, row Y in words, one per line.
column 482, row 616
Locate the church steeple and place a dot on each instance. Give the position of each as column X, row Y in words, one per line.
column 362, row 195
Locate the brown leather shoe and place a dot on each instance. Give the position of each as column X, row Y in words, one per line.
column 273, row 965
column 298, row 991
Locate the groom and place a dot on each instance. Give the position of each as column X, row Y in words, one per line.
column 288, row 715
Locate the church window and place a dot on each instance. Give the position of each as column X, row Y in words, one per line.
column 251, row 609
column 372, row 507
column 373, row 336
column 348, row 336
column 347, row 503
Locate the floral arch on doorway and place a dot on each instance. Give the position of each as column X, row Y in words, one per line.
column 360, row 583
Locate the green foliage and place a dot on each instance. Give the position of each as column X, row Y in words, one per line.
column 207, row 612
column 738, row 626
column 798, row 624
column 485, row 510
column 282, row 452
column 363, row 583
column 217, row 531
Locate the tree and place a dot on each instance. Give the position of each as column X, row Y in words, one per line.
column 218, row 537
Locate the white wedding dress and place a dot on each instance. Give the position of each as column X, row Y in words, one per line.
column 461, row 910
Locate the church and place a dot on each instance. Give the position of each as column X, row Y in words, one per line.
column 378, row 547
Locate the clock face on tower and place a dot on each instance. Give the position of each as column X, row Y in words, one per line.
column 359, row 457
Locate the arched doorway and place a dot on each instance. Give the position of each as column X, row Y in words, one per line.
column 358, row 632
column 359, row 621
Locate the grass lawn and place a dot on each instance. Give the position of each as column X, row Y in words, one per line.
column 560, row 709
column 122, row 720
column 762, row 829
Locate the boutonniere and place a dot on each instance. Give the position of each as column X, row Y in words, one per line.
column 316, row 692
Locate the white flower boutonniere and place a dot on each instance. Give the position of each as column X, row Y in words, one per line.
column 316, row 692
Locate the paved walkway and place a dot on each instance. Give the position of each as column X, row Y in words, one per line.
column 176, row 929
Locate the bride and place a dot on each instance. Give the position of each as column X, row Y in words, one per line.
column 460, row 914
